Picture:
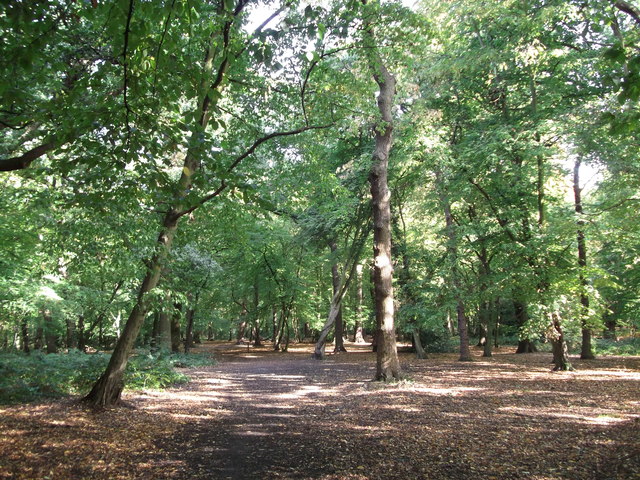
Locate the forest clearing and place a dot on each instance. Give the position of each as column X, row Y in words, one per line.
column 260, row 414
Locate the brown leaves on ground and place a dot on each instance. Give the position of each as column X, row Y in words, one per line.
column 261, row 414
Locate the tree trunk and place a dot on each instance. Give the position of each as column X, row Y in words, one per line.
column 163, row 340
column 49, row 333
column 387, row 364
column 586, row 351
column 82, row 346
column 417, row 344
column 255, row 314
column 188, row 336
column 24, row 330
column 358, row 336
column 318, row 351
column 486, row 318
column 71, row 334
column 525, row 345
column 176, row 341
column 335, row 281
column 452, row 249
column 559, row 345
column 108, row 388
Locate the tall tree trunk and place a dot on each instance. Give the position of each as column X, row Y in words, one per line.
column 357, row 329
column 176, row 341
column 257, row 342
column 71, row 339
column 452, row 249
column 163, row 340
column 49, row 332
column 387, row 364
column 107, row 390
column 24, row 330
column 82, row 346
column 586, row 351
column 188, row 336
column 335, row 281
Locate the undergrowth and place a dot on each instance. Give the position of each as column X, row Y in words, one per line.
column 25, row 378
column 625, row 346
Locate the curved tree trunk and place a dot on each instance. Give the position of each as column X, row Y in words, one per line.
column 108, row 388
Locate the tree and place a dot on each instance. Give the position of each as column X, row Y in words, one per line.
column 387, row 364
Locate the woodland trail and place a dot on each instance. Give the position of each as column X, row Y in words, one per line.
column 259, row 414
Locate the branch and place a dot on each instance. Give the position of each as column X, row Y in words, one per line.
column 127, row 31
column 24, row 160
column 629, row 10
column 236, row 162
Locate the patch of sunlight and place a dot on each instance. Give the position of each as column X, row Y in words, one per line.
column 618, row 374
column 219, row 381
column 200, row 417
column 249, row 433
column 601, row 419
column 450, row 391
column 301, row 392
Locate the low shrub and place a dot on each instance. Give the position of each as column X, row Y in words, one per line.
column 25, row 378
column 625, row 346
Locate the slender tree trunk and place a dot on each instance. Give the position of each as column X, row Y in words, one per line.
column 49, row 333
column 257, row 342
column 586, row 351
column 335, row 281
column 71, row 339
column 108, row 388
column 188, row 337
column 357, row 329
column 82, row 345
column 176, row 341
column 24, row 330
column 387, row 364
column 452, row 249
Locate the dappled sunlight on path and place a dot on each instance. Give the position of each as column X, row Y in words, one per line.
column 259, row 414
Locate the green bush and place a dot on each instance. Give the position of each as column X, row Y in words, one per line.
column 25, row 378
column 439, row 341
column 627, row 346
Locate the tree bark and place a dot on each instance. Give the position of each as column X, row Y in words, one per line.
column 586, row 350
column 108, row 389
column 188, row 337
column 24, row 330
column 335, row 281
column 525, row 345
column 417, row 344
column 560, row 351
column 452, row 249
column 176, row 341
column 49, row 333
column 387, row 364
column 358, row 336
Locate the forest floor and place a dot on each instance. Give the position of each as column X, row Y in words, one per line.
column 258, row 414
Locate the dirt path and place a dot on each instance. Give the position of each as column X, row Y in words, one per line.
column 263, row 415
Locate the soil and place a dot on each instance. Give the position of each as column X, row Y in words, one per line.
column 259, row 414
